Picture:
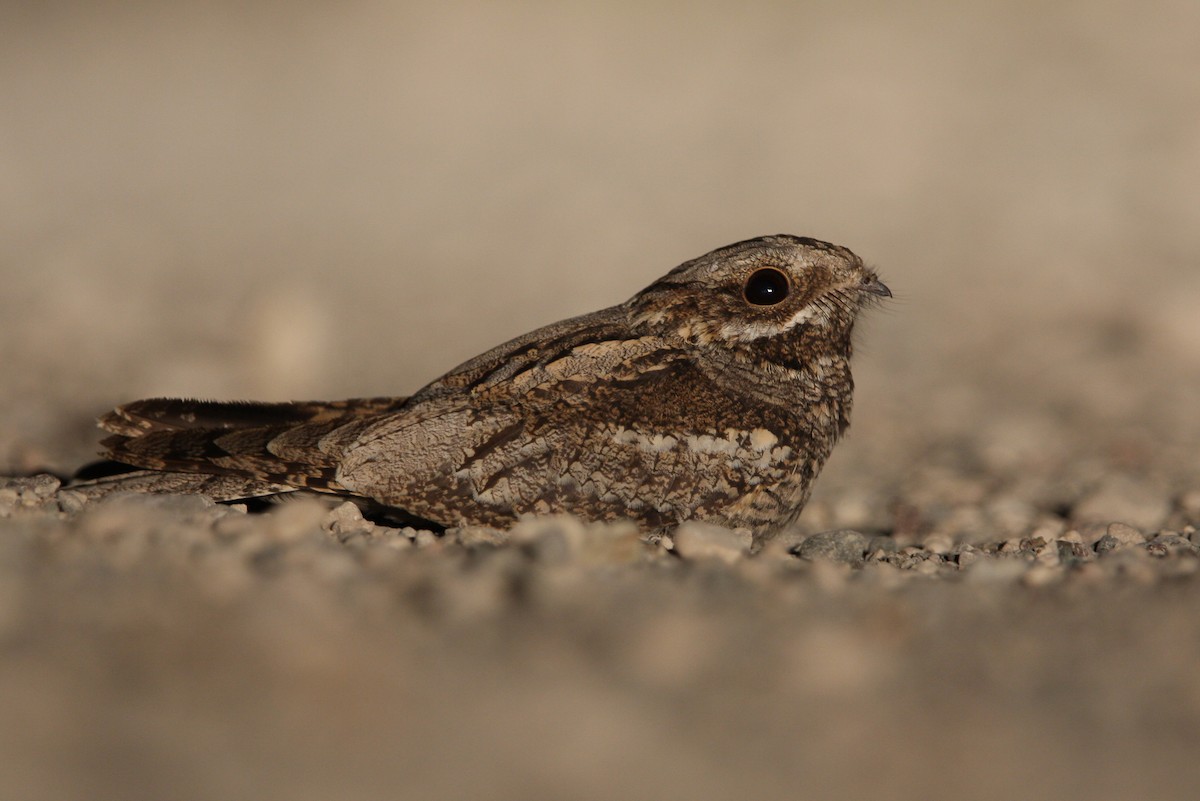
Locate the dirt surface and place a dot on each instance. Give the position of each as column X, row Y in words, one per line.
column 993, row 594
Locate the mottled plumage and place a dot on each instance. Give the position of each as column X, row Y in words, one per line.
column 716, row 393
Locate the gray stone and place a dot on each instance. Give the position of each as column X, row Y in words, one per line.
column 1072, row 553
column 1170, row 544
column 845, row 546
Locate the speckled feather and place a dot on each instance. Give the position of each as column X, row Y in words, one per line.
column 688, row 401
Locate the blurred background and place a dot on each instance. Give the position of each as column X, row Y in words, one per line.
column 278, row 201
column 294, row 200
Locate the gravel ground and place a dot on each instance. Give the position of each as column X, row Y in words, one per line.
column 993, row 593
column 169, row 647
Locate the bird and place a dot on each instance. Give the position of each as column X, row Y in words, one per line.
column 715, row 394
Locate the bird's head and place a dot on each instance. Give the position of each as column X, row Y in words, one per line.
column 761, row 288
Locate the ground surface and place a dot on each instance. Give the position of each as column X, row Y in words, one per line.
column 1002, row 598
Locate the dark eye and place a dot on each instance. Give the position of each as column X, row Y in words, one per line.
column 766, row 287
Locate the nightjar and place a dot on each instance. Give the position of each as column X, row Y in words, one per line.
column 714, row 394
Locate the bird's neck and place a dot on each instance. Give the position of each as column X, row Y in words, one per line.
column 808, row 370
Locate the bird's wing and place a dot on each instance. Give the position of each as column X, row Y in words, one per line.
column 563, row 422
column 463, row 433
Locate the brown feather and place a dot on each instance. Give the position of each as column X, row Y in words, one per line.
column 709, row 395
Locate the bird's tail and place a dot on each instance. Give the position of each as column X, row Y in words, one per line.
column 229, row 450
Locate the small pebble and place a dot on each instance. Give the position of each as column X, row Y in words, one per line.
column 346, row 521
column 554, row 539
column 1012, row 547
column 1071, row 552
column 425, row 538
column 1119, row 535
column 27, row 492
column 8, row 499
column 926, row 567
column 695, row 540
column 939, row 543
column 478, row 536
column 70, row 502
column 845, row 546
column 293, row 520
column 1169, row 544
column 966, row 556
column 1126, row 534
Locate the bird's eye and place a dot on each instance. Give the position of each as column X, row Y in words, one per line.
column 766, row 287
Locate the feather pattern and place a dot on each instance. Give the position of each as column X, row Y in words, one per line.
column 716, row 393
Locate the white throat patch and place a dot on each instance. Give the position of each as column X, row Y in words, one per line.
column 749, row 333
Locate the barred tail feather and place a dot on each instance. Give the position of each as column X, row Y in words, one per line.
column 276, row 446
column 176, row 414
column 219, row 488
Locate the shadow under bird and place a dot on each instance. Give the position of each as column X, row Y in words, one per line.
column 714, row 394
